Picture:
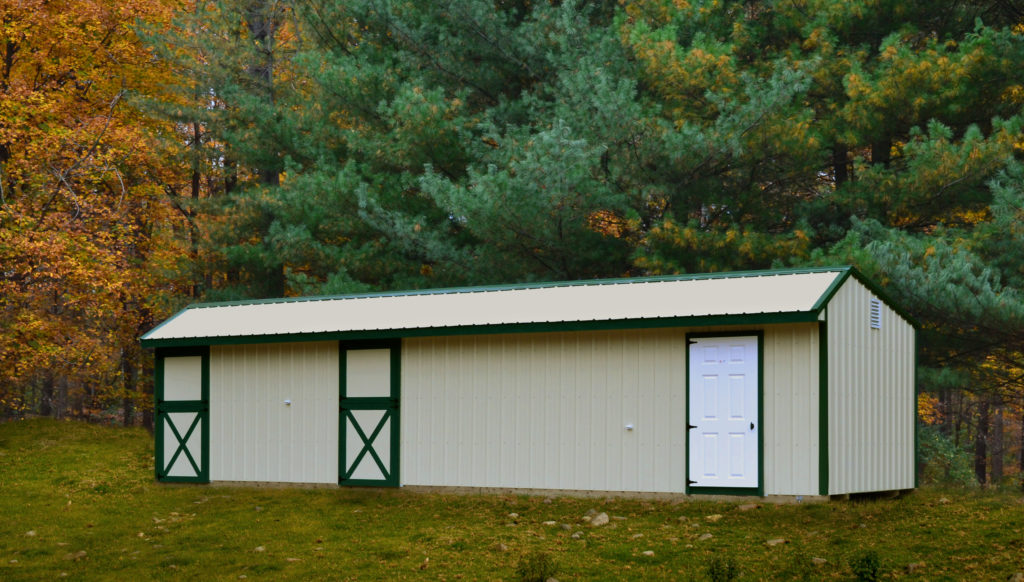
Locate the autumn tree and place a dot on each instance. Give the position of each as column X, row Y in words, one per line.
column 81, row 228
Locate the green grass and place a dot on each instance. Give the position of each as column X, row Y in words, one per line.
column 87, row 493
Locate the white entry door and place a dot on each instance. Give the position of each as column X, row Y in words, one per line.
column 723, row 417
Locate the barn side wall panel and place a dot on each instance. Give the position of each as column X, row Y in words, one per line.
column 870, row 395
column 545, row 411
column 549, row 411
column 254, row 435
column 791, row 411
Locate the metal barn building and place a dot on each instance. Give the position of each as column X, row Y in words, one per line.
column 768, row 383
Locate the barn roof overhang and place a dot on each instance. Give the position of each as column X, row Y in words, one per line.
column 720, row 299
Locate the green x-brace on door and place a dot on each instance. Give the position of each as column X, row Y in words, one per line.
column 182, row 390
column 370, row 374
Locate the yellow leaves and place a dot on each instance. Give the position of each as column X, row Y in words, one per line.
column 854, row 85
column 814, row 40
column 87, row 212
column 607, row 223
column 1014, row 94
column 657, row 12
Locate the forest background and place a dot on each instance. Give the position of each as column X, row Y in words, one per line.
column 155, row 153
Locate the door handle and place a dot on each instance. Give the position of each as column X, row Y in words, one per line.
column 751, row 426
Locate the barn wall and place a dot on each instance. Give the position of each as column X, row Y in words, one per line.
column 546, row 411
column 791, row 410
column 254, row 436
column 871, row 396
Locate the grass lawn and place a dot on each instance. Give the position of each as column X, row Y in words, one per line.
column 79, row 501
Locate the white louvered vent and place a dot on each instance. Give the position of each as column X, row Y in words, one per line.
column 876, row 313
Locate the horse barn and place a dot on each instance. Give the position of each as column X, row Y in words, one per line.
column 781, row 384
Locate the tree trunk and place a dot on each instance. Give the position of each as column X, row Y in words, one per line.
column 262, row 25
column 946, row 408
column 61, row 398
column 130, row 371
column 195, row 189
column 840, row 166
column 958, row 418
column 148, row 403
column 997, row 445
column 981, row 442
column 881, row 152
column 46, row 395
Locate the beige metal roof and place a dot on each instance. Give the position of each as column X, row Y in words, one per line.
column 763, row 292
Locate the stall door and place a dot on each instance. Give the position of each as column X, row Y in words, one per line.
column 723, row 413
column 370, row 378
column 183, row 415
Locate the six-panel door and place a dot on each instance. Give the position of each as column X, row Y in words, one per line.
column 723, row 413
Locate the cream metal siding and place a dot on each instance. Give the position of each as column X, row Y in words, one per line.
column 871, row 395
column 546, row 411
column 254, row 435
column 791, row 409
column 549, row 411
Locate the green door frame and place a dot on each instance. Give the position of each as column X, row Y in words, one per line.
column 755, row 491
column 388, row 404
column 202, row 419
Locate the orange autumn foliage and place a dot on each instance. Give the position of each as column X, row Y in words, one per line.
column 81, row 214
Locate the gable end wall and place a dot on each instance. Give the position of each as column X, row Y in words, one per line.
column 871, row 396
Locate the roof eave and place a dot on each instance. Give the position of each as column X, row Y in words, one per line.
column 742, row 319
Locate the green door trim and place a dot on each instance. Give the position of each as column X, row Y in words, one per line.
column 368, row 445
column 201, row 420
column 747, row 491
column 390, row 418
column 824, row 462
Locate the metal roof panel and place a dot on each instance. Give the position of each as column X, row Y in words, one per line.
column 626, row 299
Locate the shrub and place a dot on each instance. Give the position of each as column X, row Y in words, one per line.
column 866, row 566
column 535, row 567
column 944, row 462
column 722, row 569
